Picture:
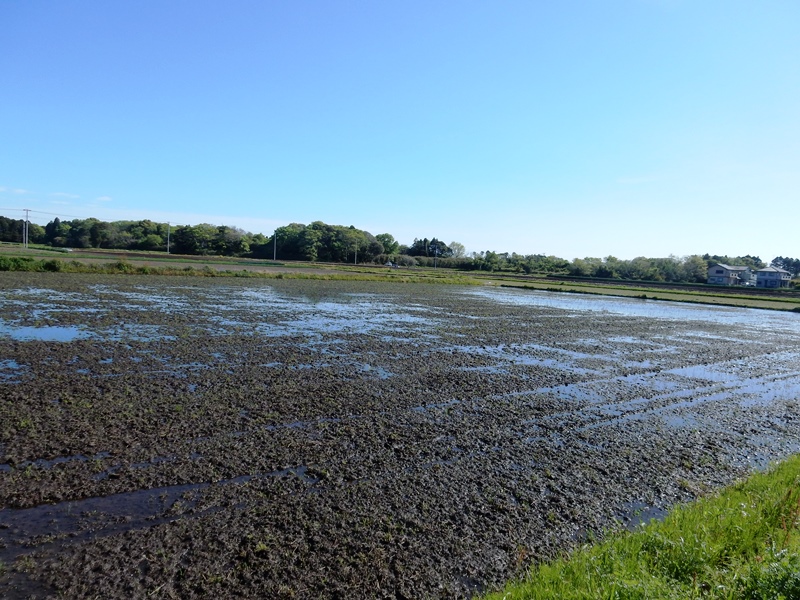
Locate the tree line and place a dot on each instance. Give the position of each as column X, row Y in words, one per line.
column 322, row 242
column 787, row 264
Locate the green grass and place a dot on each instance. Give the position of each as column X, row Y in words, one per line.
column 743, row 543
column 17, row 263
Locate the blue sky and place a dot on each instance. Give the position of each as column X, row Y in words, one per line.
column 575, row 128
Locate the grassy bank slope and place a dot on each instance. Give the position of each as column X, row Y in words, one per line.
column 742, row 543
column 216, row 269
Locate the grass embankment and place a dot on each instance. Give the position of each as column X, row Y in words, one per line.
column 27, row 264
column 134, row 256
column 742, row 543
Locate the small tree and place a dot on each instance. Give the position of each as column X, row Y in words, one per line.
column 457, row 250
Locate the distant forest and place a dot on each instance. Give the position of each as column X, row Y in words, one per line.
column 319, row 241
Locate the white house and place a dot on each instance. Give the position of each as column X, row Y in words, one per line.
column 720, row 274
column 773, row 277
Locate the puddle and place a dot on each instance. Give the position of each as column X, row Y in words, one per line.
column 290, row 315
column 24, row 530
column 635, row 515
column 642, row 408
column 707, row 372
column 11, row 370
column 766, row 391
column 624, row 339
column 681, row 421
column 524, row 355
column 48, row 463
column 147, row 299
column 43, row 334
column 378, row 372
column 746, row 318
column 50, row 294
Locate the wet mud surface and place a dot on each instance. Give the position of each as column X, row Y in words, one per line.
column 189, row 438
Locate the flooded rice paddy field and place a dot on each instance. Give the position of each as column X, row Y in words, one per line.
column 188, row 437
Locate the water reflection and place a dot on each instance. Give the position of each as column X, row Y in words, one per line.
column 634, row 307
column 43, row 334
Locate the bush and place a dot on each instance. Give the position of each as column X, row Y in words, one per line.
column 121, row 266
column 406, row 261
column 17, row 263
column 53, row 265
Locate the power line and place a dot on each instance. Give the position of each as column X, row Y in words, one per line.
column 44, row 213
column 61, row 215
column 55, row 215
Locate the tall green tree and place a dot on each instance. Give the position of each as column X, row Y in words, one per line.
column 787, row 264
column 390, row 245
column 194, row 239
column 431, row 248
column 695, row 269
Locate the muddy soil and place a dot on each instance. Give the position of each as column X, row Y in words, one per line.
column 186, row 438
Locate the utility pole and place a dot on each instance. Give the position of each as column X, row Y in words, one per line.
column 275, row 246
column 355, row 262
column 25, row 228
column 168, row 231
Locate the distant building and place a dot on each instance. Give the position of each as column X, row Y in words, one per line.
column 720, row 274
column 747, row 277
column 773, row 277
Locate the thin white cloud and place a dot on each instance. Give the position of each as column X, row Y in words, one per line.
column 104, row 199
column 64, row 195
column 19, row 191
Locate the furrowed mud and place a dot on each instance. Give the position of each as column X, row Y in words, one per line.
column 187, row 438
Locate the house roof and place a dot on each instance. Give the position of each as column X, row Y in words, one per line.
column 730, row 268
column 775, row 269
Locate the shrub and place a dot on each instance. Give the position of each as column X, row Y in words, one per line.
column 18, row 263
column 53, row 265
column 121, row 266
